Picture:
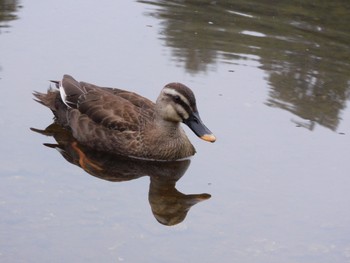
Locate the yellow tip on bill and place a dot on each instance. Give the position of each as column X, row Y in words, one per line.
column 208, row 137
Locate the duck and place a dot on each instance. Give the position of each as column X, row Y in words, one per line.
column 125, row 123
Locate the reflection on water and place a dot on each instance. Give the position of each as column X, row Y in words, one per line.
column 303, row 46
column 169, row 206
column 8, row 9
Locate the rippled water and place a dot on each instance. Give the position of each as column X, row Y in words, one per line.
column 271, row 81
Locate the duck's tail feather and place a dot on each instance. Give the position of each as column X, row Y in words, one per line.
column 47, row 99
column 56, row 82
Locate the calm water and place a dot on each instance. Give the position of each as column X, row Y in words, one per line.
column 272, row 81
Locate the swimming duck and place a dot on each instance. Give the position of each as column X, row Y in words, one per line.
column 122, row 122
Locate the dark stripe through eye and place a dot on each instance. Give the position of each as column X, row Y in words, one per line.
column 177, row 99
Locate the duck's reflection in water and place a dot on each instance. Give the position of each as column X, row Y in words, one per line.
column 169, row 206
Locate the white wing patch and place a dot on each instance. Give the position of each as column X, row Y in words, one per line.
column 63, row 94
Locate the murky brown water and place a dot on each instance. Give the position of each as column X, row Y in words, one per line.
column 271, row 81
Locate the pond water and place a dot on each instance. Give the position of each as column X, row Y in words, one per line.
column 272, row 81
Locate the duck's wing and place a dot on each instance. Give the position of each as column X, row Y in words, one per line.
column 111, row 111
column 145, row 105
column 108, row 122
column 71, row 91
column 110, row 107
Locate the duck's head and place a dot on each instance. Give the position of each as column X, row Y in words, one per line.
column 176, row 103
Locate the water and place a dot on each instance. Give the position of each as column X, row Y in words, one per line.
column 272, row 83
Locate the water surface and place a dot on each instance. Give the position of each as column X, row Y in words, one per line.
column 272, row 83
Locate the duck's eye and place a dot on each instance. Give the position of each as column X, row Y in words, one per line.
column 177, row 98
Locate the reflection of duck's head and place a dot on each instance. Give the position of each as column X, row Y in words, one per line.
column 169, row 206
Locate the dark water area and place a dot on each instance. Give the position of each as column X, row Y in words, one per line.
column 8, row 11
column 272, row 82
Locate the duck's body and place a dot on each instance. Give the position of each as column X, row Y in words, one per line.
column 126, row 123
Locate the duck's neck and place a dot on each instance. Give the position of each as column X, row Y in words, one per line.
column 169, row 141
column 169, row 128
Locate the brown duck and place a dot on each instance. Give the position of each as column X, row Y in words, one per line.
column 122, row 122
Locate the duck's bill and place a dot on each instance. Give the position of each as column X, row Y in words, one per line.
column 196, row 125
column 208, row 137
